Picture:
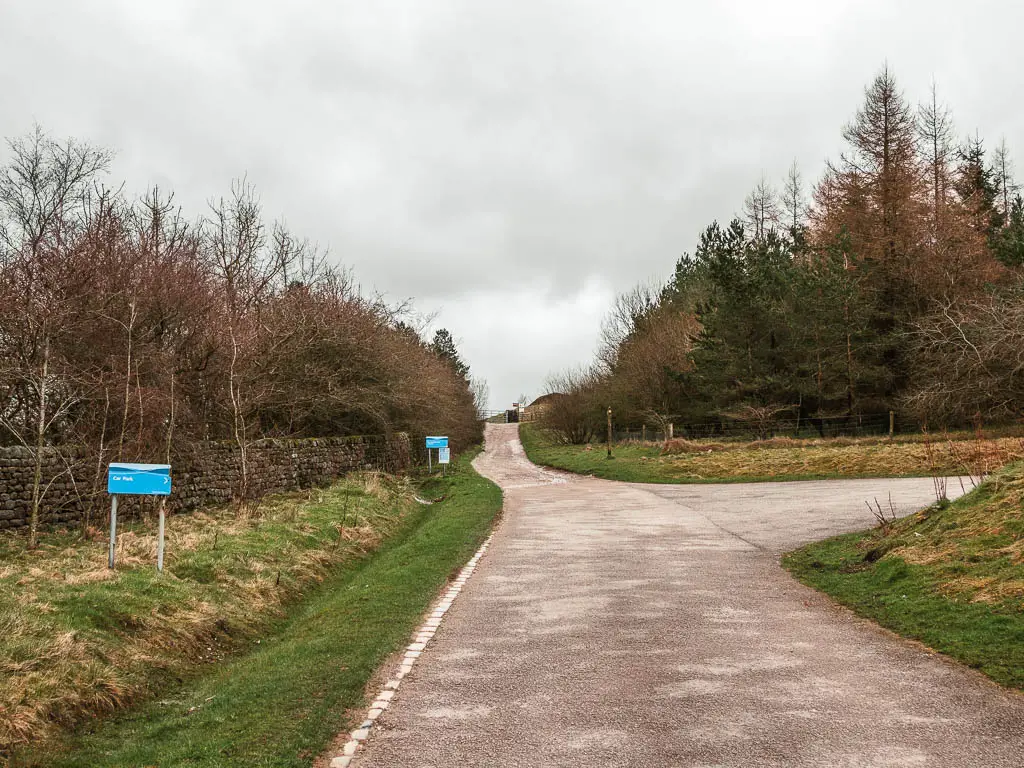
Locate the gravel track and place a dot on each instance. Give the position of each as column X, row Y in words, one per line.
column 614, row 624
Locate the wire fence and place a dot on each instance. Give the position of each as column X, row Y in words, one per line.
column 857, row 425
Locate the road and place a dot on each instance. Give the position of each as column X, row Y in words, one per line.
column 612, row 624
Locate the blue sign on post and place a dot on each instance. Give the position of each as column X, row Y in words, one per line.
column 139, row 479
column 437, row 442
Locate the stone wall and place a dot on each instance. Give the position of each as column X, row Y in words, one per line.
column 211, row 473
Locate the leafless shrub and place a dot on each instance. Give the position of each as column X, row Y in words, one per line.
column 969, row 359
column 763, row 417
column 938, row 478
column 885, row 518
column 574, row 416
column 133, row 332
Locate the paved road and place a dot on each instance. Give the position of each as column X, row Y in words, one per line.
column 613, row 624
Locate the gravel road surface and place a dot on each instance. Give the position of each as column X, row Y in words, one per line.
column 612, row 624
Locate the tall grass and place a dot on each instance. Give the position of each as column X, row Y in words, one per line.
column 280, row 703
column 78, row 640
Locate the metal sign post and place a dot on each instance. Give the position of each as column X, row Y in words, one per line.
column 138, row 480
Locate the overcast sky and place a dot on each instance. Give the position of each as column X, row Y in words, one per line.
column 509, row 165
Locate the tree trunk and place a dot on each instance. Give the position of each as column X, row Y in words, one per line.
column 37, row 476
column 239, row 417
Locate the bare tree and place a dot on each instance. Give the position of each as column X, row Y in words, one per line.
column 969, row 359
column 481, row 394
column 44, row 207
column 577, row 412
column 235, row 243
column 938, row 138
column 131, row 331
column 794, row 200
column 761, row 209
column 626, row 315
column 1003, row 166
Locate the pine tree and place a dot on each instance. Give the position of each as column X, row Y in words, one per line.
column 741, row 354
column 838, row 355
column 444, row 347
column 977, row 187
column 1008, row 244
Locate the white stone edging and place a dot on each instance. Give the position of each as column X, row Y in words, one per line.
column 422, row 636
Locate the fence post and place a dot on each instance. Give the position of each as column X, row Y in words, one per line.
column 643, row 433
column 892, row 423
column 609, row 433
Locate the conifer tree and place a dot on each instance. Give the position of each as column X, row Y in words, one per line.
column 977, row 187
column 444, row 347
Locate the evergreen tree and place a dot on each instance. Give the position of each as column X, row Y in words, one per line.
column 837, row 352
column 1008, row 243
column 444, row 347
column 741, row 352
column 978, row 188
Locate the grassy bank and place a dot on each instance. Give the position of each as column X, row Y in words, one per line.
column 683, row 461
column 951, row 576
column 286, row 668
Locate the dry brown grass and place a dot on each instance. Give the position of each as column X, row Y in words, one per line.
column 977, row 543
column 840, row 457
column 78, row 640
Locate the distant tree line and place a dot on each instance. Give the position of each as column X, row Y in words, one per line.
column 129, row 329
column 897, row 282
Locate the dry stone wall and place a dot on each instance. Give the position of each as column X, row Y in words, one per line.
column 211, row 473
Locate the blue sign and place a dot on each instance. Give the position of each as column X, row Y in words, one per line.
column 139, row 479
column 444, row 456
column 437, row 442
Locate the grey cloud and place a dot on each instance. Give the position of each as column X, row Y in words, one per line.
column 457, row 148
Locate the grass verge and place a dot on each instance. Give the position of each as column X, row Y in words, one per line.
column 951, row 576
column 281, row 701
column 683, row 461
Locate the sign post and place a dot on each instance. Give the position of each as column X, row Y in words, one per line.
column 138, row 480
column 160, row 538
column 113, row 530
column 438, row 442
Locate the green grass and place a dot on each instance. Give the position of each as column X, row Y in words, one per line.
column 772, row 460
column 632, row 463
column 283, row 700
column 951, row 577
